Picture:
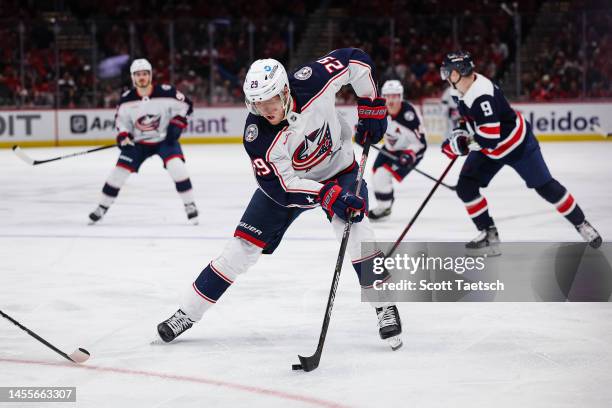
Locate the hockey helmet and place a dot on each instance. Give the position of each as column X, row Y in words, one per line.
column 265, row 79
column 460, row 61
column 392, row 87
column 140, row 64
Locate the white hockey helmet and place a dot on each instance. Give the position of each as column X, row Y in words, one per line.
column 265, row 79
column 392, row 87
column 140, row 64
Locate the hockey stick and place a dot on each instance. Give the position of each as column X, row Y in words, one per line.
column 312, row 362
column 80, row 355
column 23, row 156
column 392, row 157
column 416, row 215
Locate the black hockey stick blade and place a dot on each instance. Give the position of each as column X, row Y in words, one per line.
column 308, row 363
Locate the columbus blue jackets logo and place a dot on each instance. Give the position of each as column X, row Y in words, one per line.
column 251, row 132
column 316, row 147
column 148, row 123
column 303, row 73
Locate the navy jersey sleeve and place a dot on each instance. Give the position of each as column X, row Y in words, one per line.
column 273, row 174
column 329, row 73
column 181, row 104
column 484, row 115
column 409, row 117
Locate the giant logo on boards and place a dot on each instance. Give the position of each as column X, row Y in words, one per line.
column 21, row 124
column 568, row 121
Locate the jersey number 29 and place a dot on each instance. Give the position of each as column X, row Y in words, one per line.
column 260, row 167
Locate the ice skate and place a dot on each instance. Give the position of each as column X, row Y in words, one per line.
column 97, row 214
column 390, row 325
column 173, row 327
column 589, row 234
column 379, row 213
column 192, row 213
column 382, row 211
column 486, row 243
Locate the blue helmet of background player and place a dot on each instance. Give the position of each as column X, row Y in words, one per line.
column 460, row 61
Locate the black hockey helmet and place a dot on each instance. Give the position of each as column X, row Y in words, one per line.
column 460, row 61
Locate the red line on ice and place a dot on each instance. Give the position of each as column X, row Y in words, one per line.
column 200, row 380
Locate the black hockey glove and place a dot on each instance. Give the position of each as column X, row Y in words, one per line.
column 372, row 123
column 125, row 142
column 336, row 200
column 175, row 128
column 406, row 159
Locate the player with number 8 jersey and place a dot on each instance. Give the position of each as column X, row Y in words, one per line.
column 302, row 156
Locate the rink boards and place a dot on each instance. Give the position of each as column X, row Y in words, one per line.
column 66, row 127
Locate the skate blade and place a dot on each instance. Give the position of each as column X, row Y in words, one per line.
column 487, row 251
column 395, row 342
column 194, row 221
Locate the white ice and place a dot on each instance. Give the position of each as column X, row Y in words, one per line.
column 105, row 287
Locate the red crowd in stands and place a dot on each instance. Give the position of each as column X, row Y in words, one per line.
column 577, row 64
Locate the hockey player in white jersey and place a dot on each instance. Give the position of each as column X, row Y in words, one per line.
column 405, row 139
column 302, row 157
column 149, row 121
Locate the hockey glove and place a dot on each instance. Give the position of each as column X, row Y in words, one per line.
column 125, row 142
column 406, row 159
column 457, row 144
column 372, row 123
column 336, row 200
column 175, row 128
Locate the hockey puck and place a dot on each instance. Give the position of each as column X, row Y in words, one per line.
column 296, row 367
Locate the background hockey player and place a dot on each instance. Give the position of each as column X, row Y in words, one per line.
column 493, row 135
column 405, row 139
column 302, row 157
column 149, row 121
column 450, row 111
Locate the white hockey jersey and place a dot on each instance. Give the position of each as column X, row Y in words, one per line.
column 146, row 118
column 292, row 159
column 406, row 131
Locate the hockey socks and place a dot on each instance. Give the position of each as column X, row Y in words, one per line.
column 557, row 195
column 113, row 184
column 211, row 284
column 178, row 171
column 475, row 204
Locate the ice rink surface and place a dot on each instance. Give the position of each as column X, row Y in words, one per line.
column 105, row 287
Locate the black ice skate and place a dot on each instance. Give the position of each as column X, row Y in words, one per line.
column 97, row 214
column 380, row 212
column 589, row 234
column 390, row 325
column 486, row 243
column 173, row 327
column 192, row 213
